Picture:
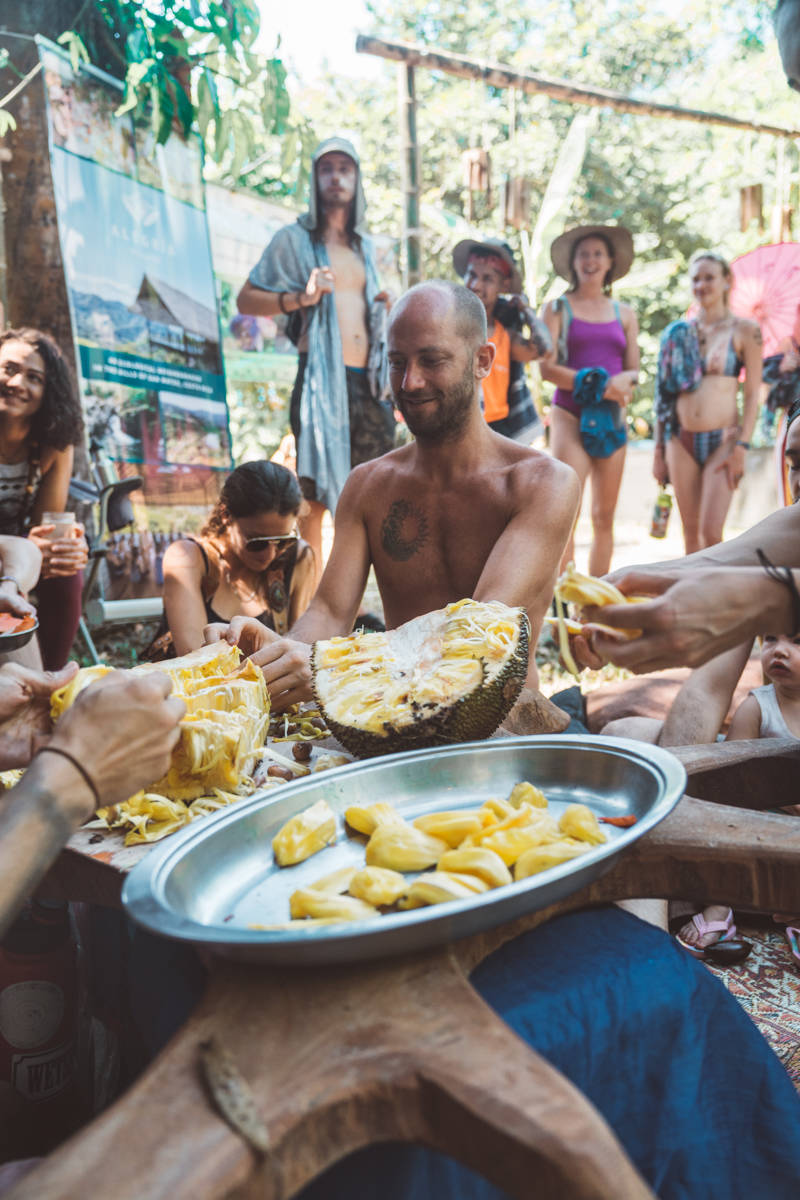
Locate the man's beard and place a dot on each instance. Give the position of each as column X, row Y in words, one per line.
column 448, row 414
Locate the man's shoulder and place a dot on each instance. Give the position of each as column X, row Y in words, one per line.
column 370, row 478
column 534, row 471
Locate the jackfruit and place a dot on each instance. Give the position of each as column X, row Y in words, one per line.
column 448, row 676
column 226, row 720
column 403, row 848
column 437, row 887
column 336, row 883
column 526, row 793
column 579, row 822
column 366, row 820
column 480, row 861
column 451, row 827
column 377, row 885
column 304, row 834
column 539, row 858
column 309, row 902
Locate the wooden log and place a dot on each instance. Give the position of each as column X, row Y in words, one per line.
column 497, row 75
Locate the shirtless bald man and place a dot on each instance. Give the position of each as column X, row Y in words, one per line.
column 460, row 512
column 323, row 267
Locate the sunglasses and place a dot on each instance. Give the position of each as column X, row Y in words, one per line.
column 283, row 542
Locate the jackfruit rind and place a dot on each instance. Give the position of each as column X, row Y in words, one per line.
column 451, row 675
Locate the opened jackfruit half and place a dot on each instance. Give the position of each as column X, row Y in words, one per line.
column 226, row 720
column 451, row 675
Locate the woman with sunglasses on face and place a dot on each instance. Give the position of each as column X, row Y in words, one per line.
column 247, row 561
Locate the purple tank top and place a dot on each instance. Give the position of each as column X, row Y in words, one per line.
column 592, row 344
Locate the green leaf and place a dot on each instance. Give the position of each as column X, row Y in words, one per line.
column 7, row 122
column 77, row 51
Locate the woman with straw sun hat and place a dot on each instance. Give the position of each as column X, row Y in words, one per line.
column 598, row 362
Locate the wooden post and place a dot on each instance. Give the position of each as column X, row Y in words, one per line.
column 410, row 165
column 499, row 76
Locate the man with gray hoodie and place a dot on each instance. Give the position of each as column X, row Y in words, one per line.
column 322, row 268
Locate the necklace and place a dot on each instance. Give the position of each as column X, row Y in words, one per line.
column 237, row 587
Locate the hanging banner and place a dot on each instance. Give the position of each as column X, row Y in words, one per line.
column 140, row 281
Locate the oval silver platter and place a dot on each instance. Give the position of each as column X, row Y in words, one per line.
column 215, row 882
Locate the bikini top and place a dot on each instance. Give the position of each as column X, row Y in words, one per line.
column 723, row 361
column 278, row 591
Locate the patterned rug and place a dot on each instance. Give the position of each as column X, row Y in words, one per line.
column 767, row 985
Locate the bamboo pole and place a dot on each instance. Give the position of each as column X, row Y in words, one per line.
column 407, row 106
column 496, row 75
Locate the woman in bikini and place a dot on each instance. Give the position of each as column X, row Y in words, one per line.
column 247, row 561
column 701, row 436
column 600, row 332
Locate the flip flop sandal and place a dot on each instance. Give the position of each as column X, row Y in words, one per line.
column 728, row 949
column 793, row 938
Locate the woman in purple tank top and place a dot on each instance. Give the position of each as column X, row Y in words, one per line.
column 599, row 333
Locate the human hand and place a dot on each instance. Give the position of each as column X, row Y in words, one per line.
column 694, row 616
column 620, row 388
column 248, row 633
column 62, row 556
column 320, row 283
column 12, row 601
column 25, row 710
column 122, row 729
column 286, row 666
column 660, row 470
column 733, row 466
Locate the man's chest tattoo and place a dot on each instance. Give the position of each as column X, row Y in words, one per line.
column 404, row 530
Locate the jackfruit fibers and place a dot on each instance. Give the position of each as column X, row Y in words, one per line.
column 448, row 676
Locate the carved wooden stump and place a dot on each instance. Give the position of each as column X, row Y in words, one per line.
column 336, row 1058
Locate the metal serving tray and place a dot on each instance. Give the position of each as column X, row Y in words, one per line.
column 210, row 883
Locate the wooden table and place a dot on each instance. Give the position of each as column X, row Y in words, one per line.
column 405, row 1050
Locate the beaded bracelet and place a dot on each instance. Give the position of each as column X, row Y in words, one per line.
column 784, row 575
column 78, row 767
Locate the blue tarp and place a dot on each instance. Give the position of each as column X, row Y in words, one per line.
column 701, row 1104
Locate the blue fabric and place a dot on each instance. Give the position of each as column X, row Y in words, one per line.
column 699, row 1101
column 602, row 424
column 680, row 369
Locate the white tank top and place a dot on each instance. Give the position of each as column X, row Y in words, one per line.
column 772, row 723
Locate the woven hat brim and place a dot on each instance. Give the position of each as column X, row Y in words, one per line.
column 620, row 238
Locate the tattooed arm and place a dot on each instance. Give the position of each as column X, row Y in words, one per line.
column 523, row 565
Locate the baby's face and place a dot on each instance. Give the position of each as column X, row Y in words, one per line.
column 780, row 659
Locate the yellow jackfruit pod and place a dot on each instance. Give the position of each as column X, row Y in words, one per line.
column 377, row 885
column 367, row 819
column 485, row 864
column 437, row 887
column 526, row 793
column 403, row 848
column 517, row 817
column 494, row 809
column 539, row 858
column 336, row 882
column 304, row 834
column 579, row 822
column 574, row 588
column 309, row 902
column 451, row 827
column 511, row 843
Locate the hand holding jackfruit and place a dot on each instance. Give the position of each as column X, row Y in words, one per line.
column 377, row 885
column 579, row 822
column 451, row 675
column 304, row 834
column 403, row 848
column 539, row 858
column 310, row 902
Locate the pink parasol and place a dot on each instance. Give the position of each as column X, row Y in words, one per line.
column 767, row 290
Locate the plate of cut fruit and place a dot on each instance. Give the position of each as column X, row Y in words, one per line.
column 407, row 851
